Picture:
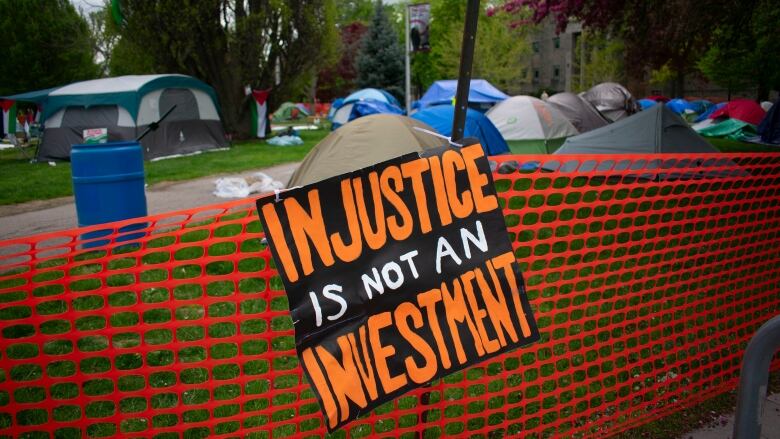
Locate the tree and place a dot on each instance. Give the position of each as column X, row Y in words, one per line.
column 351, row 11
column 340, row 78
column 46, row 43
column 655, row 32
column 233, row 44
column 600, row 58
column 104, row 37
column 380, row 62
column 746, row 51
column 500, row 53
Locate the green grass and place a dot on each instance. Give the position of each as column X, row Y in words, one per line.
column 22, row 181
column 728, row 145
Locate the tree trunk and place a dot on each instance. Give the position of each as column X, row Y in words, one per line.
column 763, row 92
column 234, row 105
column 679, row 83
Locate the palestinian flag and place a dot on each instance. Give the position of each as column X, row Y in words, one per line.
column 8, row 123
column 259, row 106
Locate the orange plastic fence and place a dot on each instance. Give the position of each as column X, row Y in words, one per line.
column 647, row 274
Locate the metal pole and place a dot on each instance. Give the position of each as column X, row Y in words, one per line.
column 407, row 50
column 464, row 76
column 753, row 379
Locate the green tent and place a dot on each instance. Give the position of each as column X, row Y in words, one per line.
column 733, row 129
column 655, row 130
column 288, row 112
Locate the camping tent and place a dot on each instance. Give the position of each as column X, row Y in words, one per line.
column 646, row 103
column 581, row 113
column 745, row 110
column 613, row 100
column 769, row 129
column 706, row 115
column 343, row 113
column 655, row 130
column 734, row 129
column 363, row 142
column 440, row 117
column 681, row 106
column 369, row 107
column 288, row 112
column 530, row 125
column 126, row 106
column 481, row 93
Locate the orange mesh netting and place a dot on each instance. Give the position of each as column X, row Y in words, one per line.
column 647, row 276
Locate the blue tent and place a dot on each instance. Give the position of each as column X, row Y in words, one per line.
column 709, row 111
column 680, row 105
column 480, row 92
column 343, row 113
column 439, row 117
column 701, row 106
column 368, row 107
column 646, row 103
column 335, row 106
column 372, row 94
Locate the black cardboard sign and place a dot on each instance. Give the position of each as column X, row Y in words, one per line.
column 396, row 274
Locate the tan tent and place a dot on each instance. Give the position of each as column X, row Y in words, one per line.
column 361, row 143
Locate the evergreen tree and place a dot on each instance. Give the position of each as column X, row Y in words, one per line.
column 380, row 62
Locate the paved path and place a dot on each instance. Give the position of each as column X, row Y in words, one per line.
column 724, row 429
column 58, row 214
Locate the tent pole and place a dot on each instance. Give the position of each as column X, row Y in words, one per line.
column 464, row 75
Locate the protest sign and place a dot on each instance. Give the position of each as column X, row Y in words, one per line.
column 397, row 274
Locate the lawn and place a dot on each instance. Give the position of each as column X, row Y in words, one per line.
column 22, row 181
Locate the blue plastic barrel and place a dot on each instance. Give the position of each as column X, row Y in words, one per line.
column 108, row 184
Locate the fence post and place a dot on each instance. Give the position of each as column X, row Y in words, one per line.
column 753, row 379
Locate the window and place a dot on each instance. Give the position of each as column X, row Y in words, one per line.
column 557, row 42
column 536, row 46
column 556, row 72
column 536, row 75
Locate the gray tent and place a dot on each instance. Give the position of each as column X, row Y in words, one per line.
column 581, row 113
column 655, row 130
column 126, row 106
column 612, row 99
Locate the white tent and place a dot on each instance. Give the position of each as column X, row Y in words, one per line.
column 530, row 125
column 126, row 106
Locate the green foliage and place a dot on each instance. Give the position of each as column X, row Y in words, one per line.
column 500, row 54
column 350, row 11
column 46, row 43
column 603, row 58
column 380, row 62
column 747, row 51
column 231, row 45
column 127, row 58
column 662, row 76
